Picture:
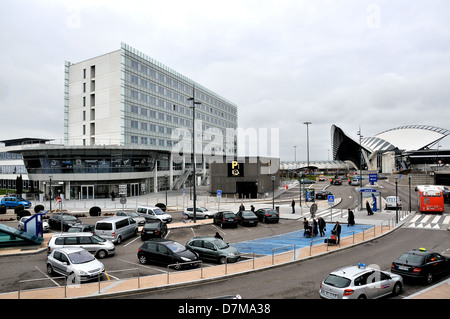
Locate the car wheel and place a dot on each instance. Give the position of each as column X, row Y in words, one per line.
column 142, row 260
column 362, row 297
column 49, row 269
column 119, row 240
column 101, row 254
column 222, row 260
column 397, row 289
column 429, row 278
column 177, row 267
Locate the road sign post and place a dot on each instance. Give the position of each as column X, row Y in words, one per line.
column 331, row 203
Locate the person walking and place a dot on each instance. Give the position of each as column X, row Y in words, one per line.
column 369, row 209
column 322, row 226
column 293, row 206
column 337, row 232
column 350, row 218
column 315, row 232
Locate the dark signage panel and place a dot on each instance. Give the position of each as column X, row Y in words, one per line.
column 235, row 169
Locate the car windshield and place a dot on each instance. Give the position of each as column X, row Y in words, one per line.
column 411, row 258
column 220, row 243
column 337, row 281
column 158, row 211
column 97, row 239
column 75, row 229
column 229, row 215
column 81, row 257
column 69, row 217
column 151, row 226
column 176, row 247
column 248, row 214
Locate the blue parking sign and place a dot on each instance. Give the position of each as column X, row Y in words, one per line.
column 330, row 198
column 219, row 193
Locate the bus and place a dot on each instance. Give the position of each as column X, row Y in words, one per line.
column 430, row 199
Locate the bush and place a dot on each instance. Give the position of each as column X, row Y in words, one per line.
column 2, row 209
column 23, row 213
column 162, row 206
column 38, row 208
column 18, row 209
column 95, row 211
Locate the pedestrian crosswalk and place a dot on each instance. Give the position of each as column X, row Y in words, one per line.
column 429, row 221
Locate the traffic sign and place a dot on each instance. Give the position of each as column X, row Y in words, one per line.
column 59, row 199
column 219, row 193
column 330, row 198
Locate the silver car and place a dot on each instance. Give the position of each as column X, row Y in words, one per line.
column 140, row 220
column 75, row 263
column 21, row 226
column 360, row 282
column 201, row 212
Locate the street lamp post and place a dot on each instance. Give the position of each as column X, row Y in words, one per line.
column 193, row 152
column 396, row 200
column 307, row 142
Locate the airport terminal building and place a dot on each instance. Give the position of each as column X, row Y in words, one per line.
column 128, row 128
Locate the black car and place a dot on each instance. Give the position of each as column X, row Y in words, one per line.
column 247, row 217
column 337, row 181
column 154, row 229
column 167, row 252
column 323, row 194
column 421, row 264
column 267, row 215
column 67, row 220
column 82, row 228
column 225, row 218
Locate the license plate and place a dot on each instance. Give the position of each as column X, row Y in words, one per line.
column 251, row 222
column 403, row 268
column 330, row 294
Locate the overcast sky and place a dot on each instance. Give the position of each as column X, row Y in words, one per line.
column 353, row 63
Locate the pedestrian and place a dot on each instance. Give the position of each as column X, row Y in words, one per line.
column 217, row 235
column 369, row 209
column 242, row 207
column 315, row 232
column 252, row 208
column 350, row 218
column 113, row 195
column 322, row 226
column 337, row 232
column 293, row 206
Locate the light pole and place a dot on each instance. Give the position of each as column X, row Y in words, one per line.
column 396, row 200
column 295, row 153
column 307, row 142
column 193, row 151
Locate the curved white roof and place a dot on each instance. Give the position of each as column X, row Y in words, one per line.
column 408, row 138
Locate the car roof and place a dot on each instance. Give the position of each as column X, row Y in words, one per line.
column 351, row 271
column 69, row 249
column 205, row 237
column 161, row 240
column 71, row 234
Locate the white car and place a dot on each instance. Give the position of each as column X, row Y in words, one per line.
column 77, row 264
column 391, row 201
column 140, row 220
column 21, row 226
column 360, row 282
column 201, row 212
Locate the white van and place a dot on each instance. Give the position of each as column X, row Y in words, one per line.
column 155, row 212
column 116, row 229
column 391, row 201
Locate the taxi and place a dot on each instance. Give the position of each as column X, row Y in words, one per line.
column 422, row 264
column 360, row 282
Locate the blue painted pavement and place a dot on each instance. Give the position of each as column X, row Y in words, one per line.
column 286, row 242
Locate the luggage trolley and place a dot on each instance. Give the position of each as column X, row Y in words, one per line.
column 332, row 240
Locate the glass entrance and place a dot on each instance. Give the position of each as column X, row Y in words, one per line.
column 87, row 191
column 134, row 189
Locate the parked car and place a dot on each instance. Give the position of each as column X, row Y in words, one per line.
column 307, row 181
column 14, row 201
column 67, row 221
column 201, row 212
column 391, row 201
column 212, row 248
column 267, row 215
column 82, row 228
column 167, row 252
column 21, row 226
column 225, row 218
column 154, row 229
column 246, row 217
column 139, row 219
column 94, row 244
column 76, row 263
column 323, row 194
column 116, row 229
column 421, row 264
column 154, row 212
column 360, row 282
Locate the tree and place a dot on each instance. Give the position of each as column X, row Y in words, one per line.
column 19, row 184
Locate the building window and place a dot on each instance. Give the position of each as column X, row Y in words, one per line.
column 134, row 139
